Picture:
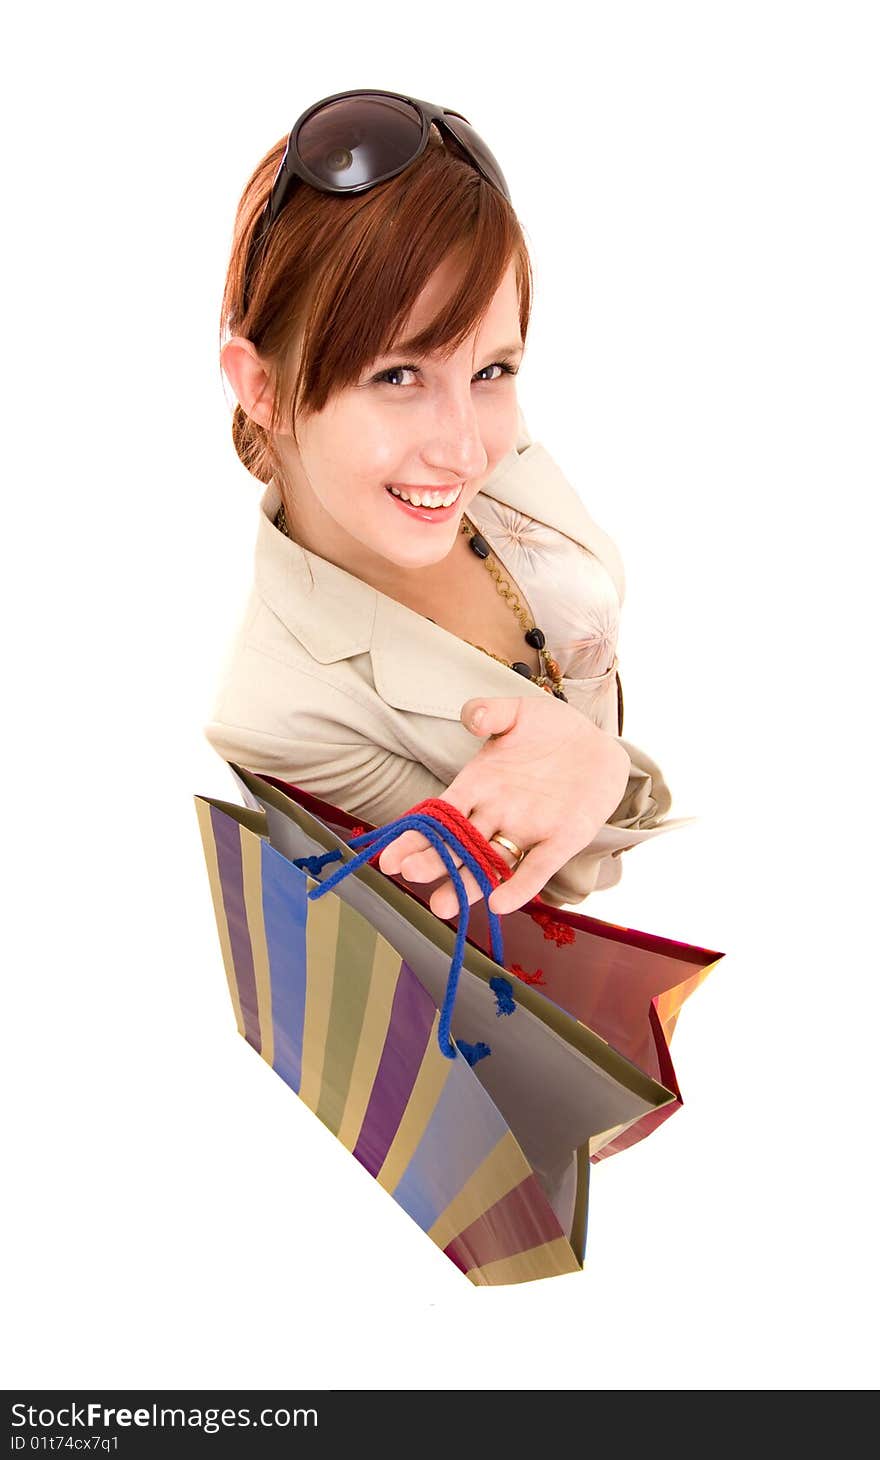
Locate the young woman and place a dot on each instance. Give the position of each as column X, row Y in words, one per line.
column 418, row 557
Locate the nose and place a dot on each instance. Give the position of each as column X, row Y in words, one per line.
column 454, row 443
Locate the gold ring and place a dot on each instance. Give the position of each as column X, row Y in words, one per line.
column 511, row 846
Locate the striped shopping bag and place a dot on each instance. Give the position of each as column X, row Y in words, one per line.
column 625, row 984
column 472, row 1098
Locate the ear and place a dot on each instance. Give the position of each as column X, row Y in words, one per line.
column 249, row 378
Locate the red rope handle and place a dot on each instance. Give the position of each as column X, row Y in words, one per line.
column 496, row 869
column 473, row 839
column 493, row 864
column 491, row 861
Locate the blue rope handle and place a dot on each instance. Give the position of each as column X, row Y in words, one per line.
column 438, row 835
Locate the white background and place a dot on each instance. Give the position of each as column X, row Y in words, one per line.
column 698, row 186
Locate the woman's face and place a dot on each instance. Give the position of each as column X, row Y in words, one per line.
column 444, row 426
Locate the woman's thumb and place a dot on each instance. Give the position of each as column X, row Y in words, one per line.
column 489, row 717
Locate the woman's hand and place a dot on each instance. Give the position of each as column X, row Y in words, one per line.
column 547, row 778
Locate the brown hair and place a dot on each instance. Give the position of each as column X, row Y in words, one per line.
column 339, row 275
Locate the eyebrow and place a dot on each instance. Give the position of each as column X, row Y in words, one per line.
column 425, row 354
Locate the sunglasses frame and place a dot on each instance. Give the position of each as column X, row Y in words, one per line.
column 292, row 169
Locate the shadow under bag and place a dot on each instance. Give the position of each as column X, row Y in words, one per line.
column 476, row 1082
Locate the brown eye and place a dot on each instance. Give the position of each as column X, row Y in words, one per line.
column 382, row 377
column 501, row 365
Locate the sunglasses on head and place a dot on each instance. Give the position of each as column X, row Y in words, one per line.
column 353, row 140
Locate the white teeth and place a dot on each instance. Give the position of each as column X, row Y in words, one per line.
column 428, row 499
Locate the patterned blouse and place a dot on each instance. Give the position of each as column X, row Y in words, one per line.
column 570, row 595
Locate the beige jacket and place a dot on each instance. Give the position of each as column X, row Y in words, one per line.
column 345, row 692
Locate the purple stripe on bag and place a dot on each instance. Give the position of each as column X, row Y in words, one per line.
column 465, row 1127
column 227, row 840
column 285, row 890
column 521, row 1220
column 409, row 1028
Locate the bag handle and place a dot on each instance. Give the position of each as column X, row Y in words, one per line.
column 441, row 836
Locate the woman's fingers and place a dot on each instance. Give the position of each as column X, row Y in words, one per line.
column 444, row 899
column 423, row 862
column 533, row 873
column 391, row 856
column 425, row 866
column 408, row 844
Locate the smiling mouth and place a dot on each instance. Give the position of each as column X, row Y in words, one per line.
column 428, row 498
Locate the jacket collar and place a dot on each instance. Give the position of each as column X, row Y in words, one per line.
column 417, row 665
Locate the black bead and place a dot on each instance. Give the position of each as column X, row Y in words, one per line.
column 479, row 545
column 560, row 696
column 522, row 669
column 536, row 638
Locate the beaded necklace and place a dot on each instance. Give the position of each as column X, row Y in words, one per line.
column 549, row 677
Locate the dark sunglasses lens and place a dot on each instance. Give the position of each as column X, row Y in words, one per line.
column 473, row 143
column 359, row 140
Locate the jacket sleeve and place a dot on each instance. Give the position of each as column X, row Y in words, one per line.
column 638, row 817
column 378, row 785
column 364, row 779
